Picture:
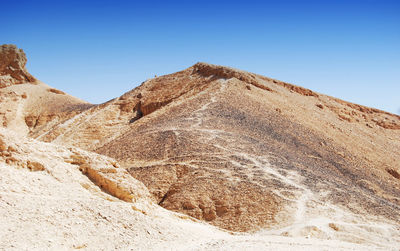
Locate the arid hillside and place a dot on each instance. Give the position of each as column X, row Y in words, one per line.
column 245, row 152
column 58, row 198
column 237, row 150
column 27, row 104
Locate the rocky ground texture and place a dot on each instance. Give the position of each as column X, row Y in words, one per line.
column 267, row 162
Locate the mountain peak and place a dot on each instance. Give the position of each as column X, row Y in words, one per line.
column 12, row 66
column 207, row 69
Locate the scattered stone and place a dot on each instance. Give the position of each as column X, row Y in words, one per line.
column 394, row 173
column 3, row 145
column 56, row 91
column 11, row 160
column 11, row 149
column 333, row 226
column 34, row 166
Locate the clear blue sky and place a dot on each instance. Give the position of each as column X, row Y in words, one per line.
column 97, row 50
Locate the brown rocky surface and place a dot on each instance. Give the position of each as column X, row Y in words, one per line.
column 28, row 105
column 12, row 66
column 245, row 152
column 234, row 149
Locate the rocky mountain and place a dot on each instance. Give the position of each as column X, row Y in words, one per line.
column 27, row 104
column 237, row 150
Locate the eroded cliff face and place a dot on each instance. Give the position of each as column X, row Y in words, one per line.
column 12, row 66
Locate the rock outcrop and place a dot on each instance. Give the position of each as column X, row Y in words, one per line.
column 12, row 66
column 27, row 104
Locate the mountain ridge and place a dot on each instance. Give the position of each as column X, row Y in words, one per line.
column 175, row 114
column 240, row 151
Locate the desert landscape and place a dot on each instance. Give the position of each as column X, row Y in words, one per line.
column 208, row 158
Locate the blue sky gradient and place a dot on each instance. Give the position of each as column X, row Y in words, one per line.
column 97, row 50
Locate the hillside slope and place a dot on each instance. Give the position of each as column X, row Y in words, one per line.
column 53, row 197
column 27, row 104
column 246, row 153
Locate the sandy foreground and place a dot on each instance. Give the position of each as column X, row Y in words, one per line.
column 56, row 206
